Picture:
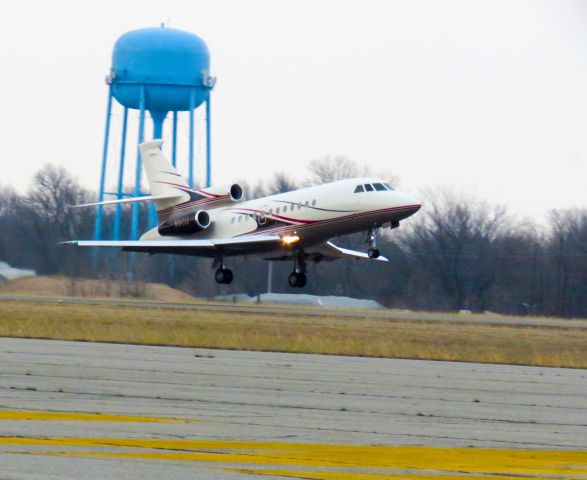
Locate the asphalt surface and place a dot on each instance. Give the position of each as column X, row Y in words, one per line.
column 485, row 318
column 269, row 402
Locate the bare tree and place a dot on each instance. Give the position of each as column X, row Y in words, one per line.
column 46, row 217
column 457, row 240
column 568, row 252
column 338, row 167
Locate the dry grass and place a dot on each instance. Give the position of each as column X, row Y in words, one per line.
column 270, row 332
column 49, row 286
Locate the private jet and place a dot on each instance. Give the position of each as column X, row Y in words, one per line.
column 295, row 226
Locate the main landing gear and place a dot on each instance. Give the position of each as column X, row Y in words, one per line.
column 373, row 251
column 297, row 278
column 223, row 275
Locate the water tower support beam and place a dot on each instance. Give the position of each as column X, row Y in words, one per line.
column 191, row 147
column 174, row 141
column 135, row 208
column 208, row 146
column 117, row 216
column 98, row 225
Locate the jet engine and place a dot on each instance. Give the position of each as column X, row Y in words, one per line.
column 228, row 193
column 186, row 225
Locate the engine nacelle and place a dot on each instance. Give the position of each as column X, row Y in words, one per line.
column 186, row 225
column 231, row 192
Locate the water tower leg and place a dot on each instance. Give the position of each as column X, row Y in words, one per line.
column 191, row 148
column 135, row 208
column 208, row 146
column 118, row 214
column 98, row 225
column 174, row 141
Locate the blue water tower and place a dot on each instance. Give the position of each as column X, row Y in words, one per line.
column 162, row 71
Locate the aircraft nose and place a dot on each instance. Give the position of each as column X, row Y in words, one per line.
column 410, row 203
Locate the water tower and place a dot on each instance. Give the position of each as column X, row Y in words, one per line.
column 160, row 71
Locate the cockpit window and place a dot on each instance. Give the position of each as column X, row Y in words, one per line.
column 368, row 187
column 359, row 189
column 389, row 187
column 379, row 187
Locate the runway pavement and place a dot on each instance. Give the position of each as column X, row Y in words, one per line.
column 93, row 411
column 297, row 311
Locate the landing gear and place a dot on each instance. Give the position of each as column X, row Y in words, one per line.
column 297, row 278
column 373, row 251
column 223, row 275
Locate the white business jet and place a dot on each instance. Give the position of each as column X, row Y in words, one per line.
column 296, row 226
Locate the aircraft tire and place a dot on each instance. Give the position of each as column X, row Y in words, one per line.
column 223, row 275
column 297, row 279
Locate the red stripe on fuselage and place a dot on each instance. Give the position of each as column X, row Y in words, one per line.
column 344, row 217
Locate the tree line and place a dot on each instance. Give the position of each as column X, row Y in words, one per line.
column 458, row 252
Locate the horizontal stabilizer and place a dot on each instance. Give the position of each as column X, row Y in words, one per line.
column 147, row 198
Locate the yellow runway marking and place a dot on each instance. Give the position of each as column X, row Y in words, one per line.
column 316, row 475
column 79, row 417
column 325, row 462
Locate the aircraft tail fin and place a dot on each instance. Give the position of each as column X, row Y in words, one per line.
column 168, row 189
column 167, row 186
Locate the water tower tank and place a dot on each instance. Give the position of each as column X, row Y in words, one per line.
column 167, row 63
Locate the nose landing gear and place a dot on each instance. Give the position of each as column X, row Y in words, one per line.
column 373, row 251
column 297, row 278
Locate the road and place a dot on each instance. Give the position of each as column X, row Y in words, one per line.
column 83, row 410
column 485, row 318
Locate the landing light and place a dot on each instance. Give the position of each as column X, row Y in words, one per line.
column 289, row 239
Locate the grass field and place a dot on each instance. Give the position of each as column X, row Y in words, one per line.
column 561, row 347
column 56, row 286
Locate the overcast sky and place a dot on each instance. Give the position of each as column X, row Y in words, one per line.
column 488, row 97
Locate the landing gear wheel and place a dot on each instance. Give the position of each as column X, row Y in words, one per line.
column 373, row 253
column 223, row 275
column 228, row 276
column 297, row 279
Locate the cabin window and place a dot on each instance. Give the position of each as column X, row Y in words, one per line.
column 313, row 203
column 368, row 187
column 277, row 211
column 389, row 187
column 299, row 206
column 307, row 203
column 232, row 220
column 379, row 187
column 359, row 189
column 291, row 207
column 240, row 219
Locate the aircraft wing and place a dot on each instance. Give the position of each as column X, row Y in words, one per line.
column 204, row 247
column 328, row 251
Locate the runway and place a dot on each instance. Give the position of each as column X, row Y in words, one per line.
column 94, row 411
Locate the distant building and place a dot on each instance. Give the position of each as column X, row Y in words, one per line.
column 328, row 301
column 10, row 273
